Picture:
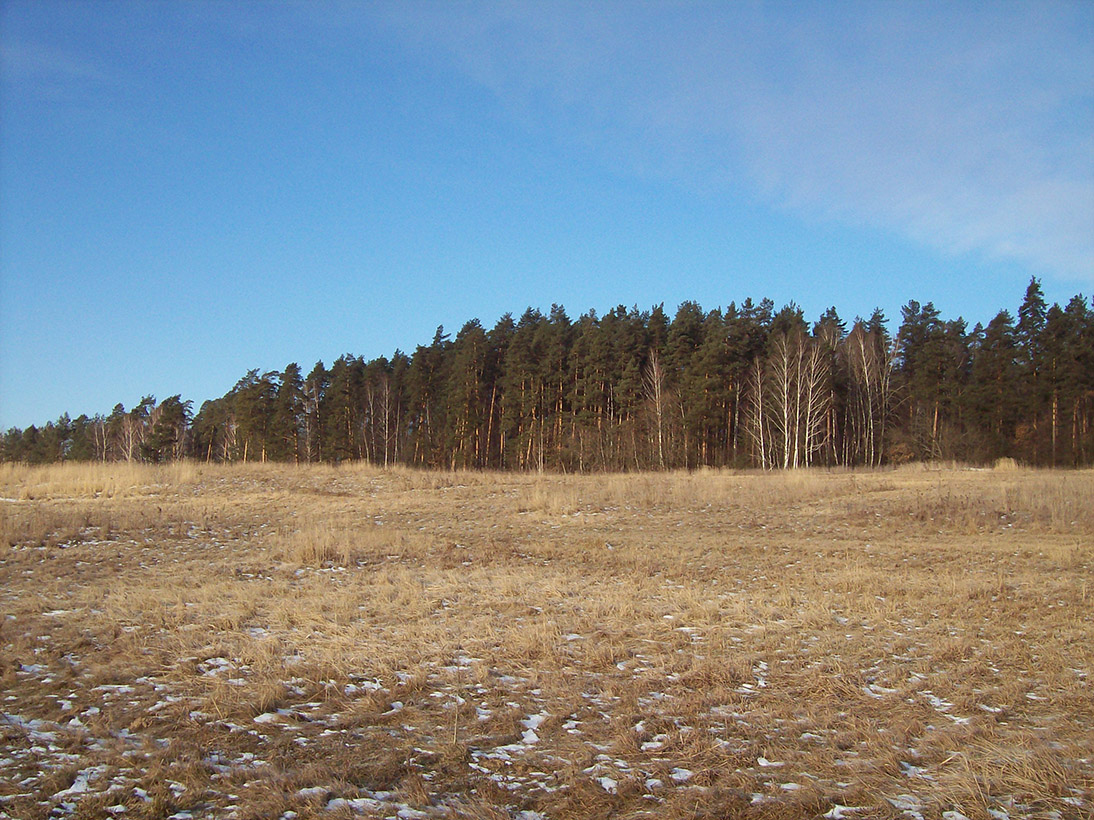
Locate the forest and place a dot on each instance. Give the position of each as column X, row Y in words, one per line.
column 744, row 386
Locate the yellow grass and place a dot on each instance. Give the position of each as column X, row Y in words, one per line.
column 252, row 641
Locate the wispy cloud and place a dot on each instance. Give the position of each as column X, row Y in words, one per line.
column 48, row 72
column 971, row 134
column 967, row 130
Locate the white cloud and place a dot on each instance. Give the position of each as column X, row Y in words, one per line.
column 958, row 150
column 47, row 72
column 966, row 130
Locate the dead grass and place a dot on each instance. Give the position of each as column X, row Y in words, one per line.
column 348, row 642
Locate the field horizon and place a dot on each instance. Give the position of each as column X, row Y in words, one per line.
column 275, row 641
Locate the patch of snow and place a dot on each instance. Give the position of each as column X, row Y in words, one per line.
column 680, row 775
column 837, row 811
column 654, row 744
column 937, row 702
column 905, row 802
column 531, row 723
column 82, row 783
column 115, row 688
column 914, row 771
column 359, row 804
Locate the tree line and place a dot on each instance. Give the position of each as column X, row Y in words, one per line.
column 747, row 386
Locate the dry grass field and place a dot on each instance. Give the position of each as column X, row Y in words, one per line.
column 271, row 642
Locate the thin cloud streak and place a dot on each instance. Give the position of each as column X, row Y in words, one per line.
column 965, row 130
column 50, row 74
column 952, row 149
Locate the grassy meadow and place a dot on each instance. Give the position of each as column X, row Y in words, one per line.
column 264, row 641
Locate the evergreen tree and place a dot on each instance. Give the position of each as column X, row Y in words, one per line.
column 82, row 439
column 313, row 395
column 498, row 341
column 169, row 425
column 1030, row 387
column 747, row 332
column 633, row 390
column 522, row 417
column 342, row 411
column 287, row 422
column 685, row 378
column 466, row 393
column 425, row 393
column 11, row 445
column 1082, row 357
column 922, row 371
column 994, row 373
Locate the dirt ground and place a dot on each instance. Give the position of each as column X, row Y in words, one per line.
column 260, row 641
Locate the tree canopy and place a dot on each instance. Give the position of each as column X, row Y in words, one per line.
column 743, row 386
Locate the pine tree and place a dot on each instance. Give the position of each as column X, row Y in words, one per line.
column 1030, row 387
column 994, row 371
column 252, row 409
column 922, row 369
column 169, row 426
column 499, row 339
column 425, row 392
column 685, row 377
column 287, row 419
column 342, row 411
column 1082, row 405
column 1062, row 378
column 747, row 332
column 632, row 389
column 82, row 439
column 465, row 437
column 314, row 395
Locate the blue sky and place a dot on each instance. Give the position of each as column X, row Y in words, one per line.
column 191, row 190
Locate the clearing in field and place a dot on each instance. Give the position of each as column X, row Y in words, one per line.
column 272, row 642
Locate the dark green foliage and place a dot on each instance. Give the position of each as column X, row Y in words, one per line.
column 169, row 426
column 743, row 386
